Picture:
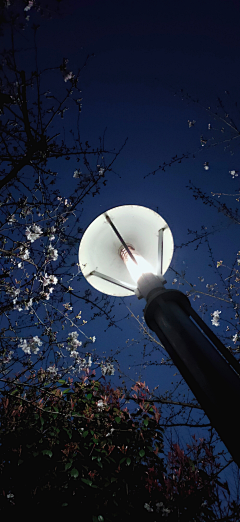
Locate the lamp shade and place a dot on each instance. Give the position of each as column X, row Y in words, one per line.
column 100, row 247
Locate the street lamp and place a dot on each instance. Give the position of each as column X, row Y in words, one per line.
column 127, row 250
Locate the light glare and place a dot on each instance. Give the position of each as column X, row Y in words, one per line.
column 136, row 271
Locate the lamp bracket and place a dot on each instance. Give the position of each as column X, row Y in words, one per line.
column 112, row 280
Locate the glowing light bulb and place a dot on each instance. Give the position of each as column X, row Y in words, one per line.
column 142, row 267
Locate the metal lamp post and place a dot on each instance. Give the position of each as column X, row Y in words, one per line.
column 127, row 250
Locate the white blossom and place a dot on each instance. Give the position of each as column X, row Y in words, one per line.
column 24, row 253
column 147, row 507
column 13, row 292
column 215, row 318
column 110, row 433
column 108, row 369
column 233, row 173
column 77, row 174
column 93, row 339
column 49, row 279
column 53, row 253
column 100, row 405
column 101, row 171
column 28, row 304
column 53, row 370
column 33, row 232
column 235, row 338
column 30, row 345
column 74, row 354
column 73, row 341
column 68, row 76
column 51, row 237
column 28, row 7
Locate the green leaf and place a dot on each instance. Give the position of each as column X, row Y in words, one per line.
column 68, row 432
column 35, row 453
column 47, row 452
column 66, row 391
column 20, row 462
column 113, row 479
column 142, row 453
column 118, row 419
column 87, row 481
column 65, row 504
column 62, row 381
column 89, row 395
column 42, row 421
column 85, row 433
column 122, row 460
column 74, row 473
column 100, row 518
column 145, row 422
column 68, row 465
column 128, row 461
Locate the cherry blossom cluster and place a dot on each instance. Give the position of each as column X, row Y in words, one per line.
column 215, row 318
column 30, row 346
column 107, row 369
column 33, row 232
column 52, row 253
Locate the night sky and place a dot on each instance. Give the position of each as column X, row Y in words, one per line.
column 144, row 54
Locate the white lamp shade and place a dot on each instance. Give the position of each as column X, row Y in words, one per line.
column 99, row 248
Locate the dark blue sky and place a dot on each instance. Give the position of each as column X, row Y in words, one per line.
column 144, row 53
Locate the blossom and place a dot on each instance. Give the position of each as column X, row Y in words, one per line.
column 108, row 369
column 13, row 292
column 82, row 363
column 51, row 237
column 49, row 279
column 74, row 354
column 67, row 306
column 28, row 304
column 24, row 253
column 77, row 174
column 235, row 338
column 233, row 173
column 206, row 165
column 101, row 172
column 30, row 345
column 53, row 253
column 53, row 370
column 68, row 76
column 33, row 232
column 215, row 318
column 191, row 123
column 29, row 6
column 73, row 341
